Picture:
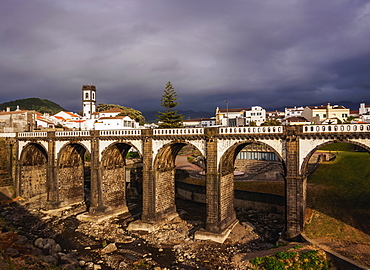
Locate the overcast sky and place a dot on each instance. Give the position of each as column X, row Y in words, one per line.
column 249, row 52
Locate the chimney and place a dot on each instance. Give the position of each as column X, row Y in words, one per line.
column 7, row 109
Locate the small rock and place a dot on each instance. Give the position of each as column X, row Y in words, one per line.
column 22, row 240
column 50, row 241
column 122, row 265
column 109, row 248
column 50, row 259
column 55, row 249
column 39, row 242
column 12, row 252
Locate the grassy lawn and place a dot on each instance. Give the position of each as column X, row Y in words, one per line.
column 346, row 180
column 339, row 194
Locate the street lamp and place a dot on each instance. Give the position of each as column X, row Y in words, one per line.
column 227, row 111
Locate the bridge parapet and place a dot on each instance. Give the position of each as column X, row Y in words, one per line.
column 72, row 133
column 123, row 132
column 251, row 130
column 336, row 128
column 32, row 134
column 178, row 131
column 8, row 135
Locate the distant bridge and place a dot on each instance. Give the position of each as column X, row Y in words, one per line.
column 50, row 167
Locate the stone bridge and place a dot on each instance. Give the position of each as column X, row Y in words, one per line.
column 49, row 168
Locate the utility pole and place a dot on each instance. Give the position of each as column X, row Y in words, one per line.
column 227, row 111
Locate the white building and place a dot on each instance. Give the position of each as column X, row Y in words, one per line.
column 115, row 122
column 240, row 117
column 199, row 122
column 275, row 115
column 326, row 114
column 293, row 112
column 42, row 122
column 364, row 109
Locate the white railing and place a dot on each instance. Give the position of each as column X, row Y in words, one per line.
column 336, row 128
column 251, row 130
column 72, row 133
column 8, row 135
column 121, row 132
column 178, row 131
column 32, row 134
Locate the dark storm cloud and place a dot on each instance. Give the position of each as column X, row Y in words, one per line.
column 270, row 53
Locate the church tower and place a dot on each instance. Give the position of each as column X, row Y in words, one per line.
column 88, row 100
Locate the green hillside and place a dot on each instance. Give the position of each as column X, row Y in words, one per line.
column 37, row 104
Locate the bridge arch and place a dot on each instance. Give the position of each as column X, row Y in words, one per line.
column 114, row 175
column 226, row 182
column 343, row 209
column 33, row 181
column 164, row 166
column 306, row 158
column 72, row 167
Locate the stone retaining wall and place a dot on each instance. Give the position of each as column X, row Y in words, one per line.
column 242, row 199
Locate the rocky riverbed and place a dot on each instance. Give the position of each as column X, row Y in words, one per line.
column 35, row 240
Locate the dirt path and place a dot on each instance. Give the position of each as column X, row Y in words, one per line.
column 183, row 164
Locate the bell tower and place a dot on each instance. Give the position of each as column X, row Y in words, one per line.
column 88, row 100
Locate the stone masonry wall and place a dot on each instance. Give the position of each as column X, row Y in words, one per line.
column 71, row 189
column 114, row 187
column 33, row 181
column 227, row 196
column 165, row 191
column 5, row 177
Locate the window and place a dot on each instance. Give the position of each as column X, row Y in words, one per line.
column 86, row 95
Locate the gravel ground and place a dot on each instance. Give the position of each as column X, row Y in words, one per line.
column 108, row 245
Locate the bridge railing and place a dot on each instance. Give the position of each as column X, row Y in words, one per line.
column 32, row 134
column 250, row 130
column 178, row 131
column 72, row 133
column 337, row 128
column 8, row 135
column 121, row 132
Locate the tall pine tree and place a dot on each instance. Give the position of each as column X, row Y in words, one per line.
column 169, row 118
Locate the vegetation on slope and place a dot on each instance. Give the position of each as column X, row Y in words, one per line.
column 339, row 196
column 132, row 113
column 37, row 104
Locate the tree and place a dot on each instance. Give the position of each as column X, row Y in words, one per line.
column 170, row 118
column 132, row 113
column 349, row 119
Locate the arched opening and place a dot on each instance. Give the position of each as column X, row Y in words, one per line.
column 33, row 173
column 73, row 174
column 252, row 183
column 176, row 192
column 121, row 178
column 190, row 186
column 338, row 198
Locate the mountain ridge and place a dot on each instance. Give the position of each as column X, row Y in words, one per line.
column 37, row 104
